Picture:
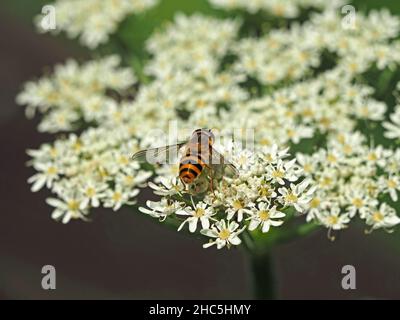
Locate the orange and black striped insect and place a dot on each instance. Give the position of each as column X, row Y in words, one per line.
column 198, row 155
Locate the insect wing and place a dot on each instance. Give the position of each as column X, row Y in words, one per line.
column 161, row 155
column 222, row 165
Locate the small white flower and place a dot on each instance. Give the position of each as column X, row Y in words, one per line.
column 334, row 219
column 316, row 205
column 296, row 195
column 115, row 198
column 200, row 213
column 282, row 171
column 168, row 186
column 225, row 234
column 236, row 206
column 264, row 190
column 273, row 154
column 92, row 193
column 67, row 209
column 94, row 20
column 384, row 217
column 161, row 209
column 265, row 216
column 49, row 172
column 358, row 202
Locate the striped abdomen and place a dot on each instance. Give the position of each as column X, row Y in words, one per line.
column 190, row 167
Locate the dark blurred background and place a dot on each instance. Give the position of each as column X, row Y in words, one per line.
column 125, row 255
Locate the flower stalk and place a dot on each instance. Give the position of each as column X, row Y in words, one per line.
column 260, row 259
column 263, row 275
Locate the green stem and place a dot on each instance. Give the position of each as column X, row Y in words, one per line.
column 264, row 286
column 261, row 261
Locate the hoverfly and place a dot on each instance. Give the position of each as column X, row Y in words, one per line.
column 199, row 155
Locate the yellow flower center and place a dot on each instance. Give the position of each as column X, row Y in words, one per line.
column 307, row 112
column 341, row 138
column 123, row 160
column 353, row 66
column 358, row 202
column 53, row 152
column 371, row 188
column 51, row 170
column 347, row 149
column 60, row 119
column 290, row 197
column 73, row 205
column 365, row 111
column 168, row 103
column 90, row 192
column 242, row 160
column 52, row 97
column 199, row 212
column 278, row 174
column 265, row 142
column 325, row 122
column 391, row 184
column 224, row 234
column 264, row 215
column 372, row 156
column 332, row 220
column 264, row 191
column 377, row 216
column 326, row 181
column 103, row 172
column 270, row 76
column 289, row 114
column 77, row 146
column 331, row 158
column 117, row 196
column 129, row 180
column 303, row 56
column 290, row 133
column 268, row 157
column 351, row 93
column 237, row 204
column 200, row 103
column 278, row 9
column 315, row 203
column 117, row 115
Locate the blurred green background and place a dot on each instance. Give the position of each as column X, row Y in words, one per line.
column 125, row 255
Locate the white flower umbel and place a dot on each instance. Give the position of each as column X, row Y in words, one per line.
column 94, row 20
column 249, row 199
column 99, row 171
column 302, row 87
column 75, row 92
column 352, row 179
